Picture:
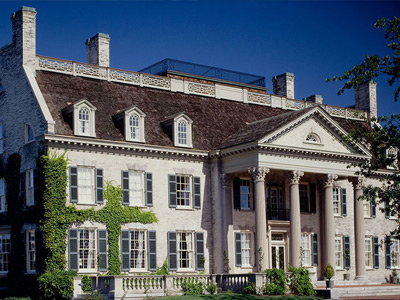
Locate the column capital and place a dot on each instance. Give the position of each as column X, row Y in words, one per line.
column 225, row 180
column 357, row 182
column 328, row 180
column 295, row 176
column 258, row 173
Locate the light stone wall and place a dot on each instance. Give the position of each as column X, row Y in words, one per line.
column 365, row 98
column 98, row 50
column 283, row 85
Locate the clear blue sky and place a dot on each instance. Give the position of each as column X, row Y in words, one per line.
column 312, row 39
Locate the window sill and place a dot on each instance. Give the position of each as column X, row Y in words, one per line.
column 184, row 208
column 29, row 142
column 84, row 204
column 186, row 271
column 90, row 271
column 370, row 269
column 30, row 273
column 245, row 209
column 246, row 267
column 338, row 216
column 367, row 217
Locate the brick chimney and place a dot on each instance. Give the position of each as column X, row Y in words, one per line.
column 24, row 35
column 284, row 85
column 98, row 50
column 365, row 97
column 315, row 98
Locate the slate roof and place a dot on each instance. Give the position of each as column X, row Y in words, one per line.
column 216, row 122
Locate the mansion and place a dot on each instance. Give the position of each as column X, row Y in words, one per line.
column 240, row 179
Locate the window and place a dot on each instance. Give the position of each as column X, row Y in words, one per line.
column 3, row 204
column 86, row 185
column 185, row 250
column 306, row 249
column 5, row 247
column 87, row 249
column 391, row 155
column 339, row 252
column 313, row 138
column 30, row 187
column 84, row 119
column 244, row 193
column 134, row 133
column 179, row 126
column 246, row 249
column 82, row 114
column 304, row 198
column 132, row 122
column 367, row 209
column 137, row 249
column 1, row 139
column 339, row 201
column 182, row 133
column 368, row 252
column 183, row 190
column 29, row 135
column 30, row 251
column 137, row 188
column 394, row 253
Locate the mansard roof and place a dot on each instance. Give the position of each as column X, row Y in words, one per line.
column 215, row 122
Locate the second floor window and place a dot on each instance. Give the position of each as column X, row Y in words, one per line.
column 134, row 131
column 242, row 193
column 84, row 121
column 182, row 133
column 86, row 185
column 137, row 188
column 184, row 191
column 29, row 135
column 339, row 201
column 30, row 188
column 3, row 204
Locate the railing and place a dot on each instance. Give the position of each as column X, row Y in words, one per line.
column 238, row 94
column 281, row 214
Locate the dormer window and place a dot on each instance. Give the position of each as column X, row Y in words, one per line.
column 182, row 133
column 179, row 127
column 82, row 117
column 132, row 122
column 84, row 121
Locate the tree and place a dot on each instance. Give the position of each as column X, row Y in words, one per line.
column 383, row 136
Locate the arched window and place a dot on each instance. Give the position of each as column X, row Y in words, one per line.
column 182, row 133
column 313, row 138
column 134, row 127
column 84, row 121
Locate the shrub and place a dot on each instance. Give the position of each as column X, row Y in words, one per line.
column 276, row 282
column 249, row 288
column 95, row 295
column 329, row 272
column 193, row 288
column 300, row 282
column 86, row 283
column 211, row 287
column 163, row 270
column 17, row 298
column 57, row 284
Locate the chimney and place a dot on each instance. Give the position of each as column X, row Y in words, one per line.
column 365, row 97
column 315, row 98
column 284, row 85
column 98, row 50
column 24, row 35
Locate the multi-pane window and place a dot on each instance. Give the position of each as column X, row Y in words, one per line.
column 5, row 247
column 86, row 185
column 368, row 252
column 87, row 249
column 336, row 202
column 183, row 190
column 394, row 253
column 182, row 133
column 29, row 135
column 136, row 188
column 30, row 188
column 83, row 121
column 339, row 252
column 306, row 249
column 3, row 206
column 367, row 209
column 1, row 139
column 185, row 250
column 134, row 131
column 30, row 251
column 245, row 193
column 304, row 198
column 246, row 248
column 137, row 249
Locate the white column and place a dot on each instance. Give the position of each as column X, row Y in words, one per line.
column 226, row 202
column 261, row 250
column 328, row 244
column 359, row 229
column 295, row 221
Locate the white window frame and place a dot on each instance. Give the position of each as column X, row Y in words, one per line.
column 246, row 245
column 369, row 253
column 144, row 255
column 91, row 251
column 3, row 202
column 4, row 255
column 188, row 122
column 394, row 254
column 306, row 246
column 1, row 139
column 312, row 138
column 189, row 250
column 367, row 209
column 29, row 187
column 184, row 194
column 30, row 238
column 339, row 253
column 133, row 189
column 27, row 130
column 84, row 104
column 337, row 198
column 134, row 111
column 92, row 184
column 250, row 193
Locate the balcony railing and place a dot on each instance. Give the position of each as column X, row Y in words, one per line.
column 280, row 214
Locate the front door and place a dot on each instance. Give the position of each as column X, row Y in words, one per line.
column 278, row 251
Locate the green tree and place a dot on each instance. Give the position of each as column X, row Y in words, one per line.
column 383, row 136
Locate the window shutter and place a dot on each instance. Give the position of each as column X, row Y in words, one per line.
column 152, row 246
column 346, row 240
column 196, row 192
column 125, row 266
column 99, row 186
column 102, row 246
column 73, row 249
column 387, row 210
column 315, row 249
column 238, row 249
column 23, row 187
column 172, row 262
column 172, row 190
column 35, row 186
column 125, row 187
column 73, row 184
column 344, row 202
column 313, row 199
column 387, row 254
column 376, row 252
column 373, row 210
column 236, row 193
column 149, row 189
column 199, row 251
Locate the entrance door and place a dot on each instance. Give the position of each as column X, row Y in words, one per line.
column 278, row 251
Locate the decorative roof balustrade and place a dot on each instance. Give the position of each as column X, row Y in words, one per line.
column 188, row 87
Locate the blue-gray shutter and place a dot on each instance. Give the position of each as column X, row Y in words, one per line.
column 313, row 198
column 199, row 251
column 99, row 186
column 73, row 184
column 373, row 210
column 23, row 187
column 236, row 193
column 387, row 210
column 73, row 249
column 172, row 251
column 315, row 249
column 152, row 246
column 388, row 257
column 376, row 252
column 238, row 249
column 346, row 242
column 344, row 202
column 125, row 247
column 196, row 192
column 35, row 186
column 125, row 187
column 149, row 189
column 102, row 246
column 172, row 190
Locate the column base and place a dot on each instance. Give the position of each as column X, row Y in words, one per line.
column 361, row 278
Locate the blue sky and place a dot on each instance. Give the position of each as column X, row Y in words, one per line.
column 312, row 39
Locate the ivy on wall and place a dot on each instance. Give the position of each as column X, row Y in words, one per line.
column 58, row 216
